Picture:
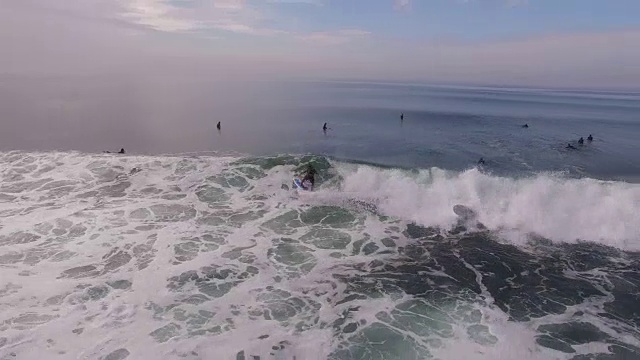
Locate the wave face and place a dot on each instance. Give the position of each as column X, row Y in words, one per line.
column 125, row 257
column 548, row 205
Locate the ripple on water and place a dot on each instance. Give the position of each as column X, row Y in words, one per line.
column 211, row 195
column 292, row 257
column 20, row 237
column 327, row 239
column 213, row 281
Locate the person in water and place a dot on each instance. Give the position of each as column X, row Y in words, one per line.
column 402, row 116
column 324, row 127
column 119, row 152
column 218, row 125
column 525, row 125
column 571, row 147
column 309, row 178
column 590, row 138
column 481, row 161
column 581, row 141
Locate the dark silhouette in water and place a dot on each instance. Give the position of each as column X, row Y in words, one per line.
column 571, row 147
column 525, row 126
column 218, row 125
column 481, row 161
column 324, row 127
column 402, row 116
column 309, row 176
column 119, row 152
column 581, row 141
column 590, row 138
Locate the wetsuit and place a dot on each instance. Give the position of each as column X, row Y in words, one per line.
column 310, row 177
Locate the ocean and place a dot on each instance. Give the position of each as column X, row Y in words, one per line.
column 193, row 245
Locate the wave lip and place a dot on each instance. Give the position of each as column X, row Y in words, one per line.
column 547, row 205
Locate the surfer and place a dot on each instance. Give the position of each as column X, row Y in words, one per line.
column 525, row 126
column 581, row 141
column 218, row 125
column 119, row 152
column 481, row 161
column 571, row 147
column 324, row 127
column 309, row 178
column 401, row 116
column 590, row 138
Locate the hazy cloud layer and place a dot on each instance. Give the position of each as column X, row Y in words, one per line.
column 245, row 39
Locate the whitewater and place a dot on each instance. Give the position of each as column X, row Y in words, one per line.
column 215, row 257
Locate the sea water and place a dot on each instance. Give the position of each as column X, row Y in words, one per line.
column 200, row 249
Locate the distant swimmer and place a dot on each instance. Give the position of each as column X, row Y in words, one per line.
column 581, row 141
column 402, row 116
column 571, row 147
column 218, row 125
column 324, row 127
column 119, row 152
column 481, row 161
column 590, row 138
column 525, row 125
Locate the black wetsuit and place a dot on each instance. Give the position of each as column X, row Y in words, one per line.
column 310, row 176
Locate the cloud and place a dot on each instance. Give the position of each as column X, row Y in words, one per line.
column 402, row 4
column 514, row 3
column 76, row 37
column 234, row 16
column 508, row 3
column 310, row 2
column 158, row 15
column 333, row 37
column 599, row 59
column 229, row 4
column 196, row 16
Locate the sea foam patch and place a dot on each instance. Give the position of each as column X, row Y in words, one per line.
column 126, row 257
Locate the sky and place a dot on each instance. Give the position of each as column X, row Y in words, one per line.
column 555, row 43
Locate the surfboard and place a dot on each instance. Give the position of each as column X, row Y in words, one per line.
column 464, row 212
column 298, row 185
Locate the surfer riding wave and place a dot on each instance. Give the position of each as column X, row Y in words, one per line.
column 307, row 180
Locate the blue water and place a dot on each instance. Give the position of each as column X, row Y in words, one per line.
column 453, row 127
column 446, row 127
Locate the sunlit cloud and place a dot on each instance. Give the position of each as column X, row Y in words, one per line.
column 224, row 15
column 157, row 15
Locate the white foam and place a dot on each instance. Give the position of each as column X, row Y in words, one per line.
column 549, row 205
column 123, row 318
